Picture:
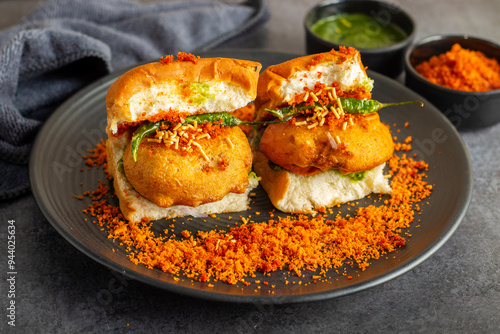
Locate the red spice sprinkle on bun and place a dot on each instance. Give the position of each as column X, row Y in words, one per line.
column 343, row 50
column 181, row 56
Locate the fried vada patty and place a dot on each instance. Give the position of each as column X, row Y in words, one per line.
column 366, row 144
column 170, row 177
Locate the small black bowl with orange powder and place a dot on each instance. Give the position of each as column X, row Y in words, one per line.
column 460, row 75
column 379, row 30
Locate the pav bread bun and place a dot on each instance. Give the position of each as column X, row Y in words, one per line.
column 171, row 150
column 329, row 152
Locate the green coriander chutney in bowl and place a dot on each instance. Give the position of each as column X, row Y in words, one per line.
column 358, row 30
column 380, row 31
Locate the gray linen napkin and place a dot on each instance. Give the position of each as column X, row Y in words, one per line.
column 66, row 44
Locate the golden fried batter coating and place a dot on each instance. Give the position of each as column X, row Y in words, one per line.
column 364, row 145
column 170, row 177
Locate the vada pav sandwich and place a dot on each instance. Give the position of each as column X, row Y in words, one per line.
column 334, row 148
column 173, row 147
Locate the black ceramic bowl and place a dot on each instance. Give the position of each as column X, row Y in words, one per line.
column 466, row 110
column 386, row 60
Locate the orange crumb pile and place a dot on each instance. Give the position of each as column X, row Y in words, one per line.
column 462, row 69
column 294, row 243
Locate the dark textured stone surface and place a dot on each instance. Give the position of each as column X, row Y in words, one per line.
column 457, row 290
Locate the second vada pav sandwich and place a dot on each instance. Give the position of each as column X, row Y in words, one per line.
column 173, row 147
column 335, row 147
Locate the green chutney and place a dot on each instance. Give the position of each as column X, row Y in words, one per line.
column 358, row 30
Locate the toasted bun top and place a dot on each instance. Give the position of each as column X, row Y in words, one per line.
column 192, row 85
column 279, row 83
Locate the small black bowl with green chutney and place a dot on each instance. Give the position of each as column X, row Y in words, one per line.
column 380, row 31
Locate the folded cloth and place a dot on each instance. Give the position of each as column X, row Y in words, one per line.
column 66, row 44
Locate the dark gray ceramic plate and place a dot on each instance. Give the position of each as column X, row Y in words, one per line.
column 56, row 178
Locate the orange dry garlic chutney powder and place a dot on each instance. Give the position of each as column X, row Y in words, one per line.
column 462, row 69
column 293, row 243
